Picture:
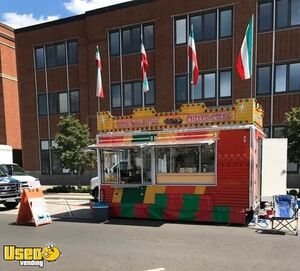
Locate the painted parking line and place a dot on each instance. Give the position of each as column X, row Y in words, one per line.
column 157, row 269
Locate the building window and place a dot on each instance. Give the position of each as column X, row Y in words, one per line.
column 267, row 131
column 287, row 14
column 209, row 25
column 180, row 25
column 150, row 95
column 45, row 158
column 225, row 23
column 42, row 104
column 131, row 39
column 58, row 103
column 74, row 101
column 265, row 16
column 294, row 78
column 225, row 83
column 55, row 159
column 263, row 80
column 114, row 42
column 295, row 12
column 116, row 96
column 148, row 36
column 280, row 78
column 56, row 55
column 181, row 88
column 278, row 132
column 196, row 91
column 209, row 86
column 72, row 52
column 282, row 13
column 39, row 58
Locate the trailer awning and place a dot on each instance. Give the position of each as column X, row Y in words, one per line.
column 159, row 139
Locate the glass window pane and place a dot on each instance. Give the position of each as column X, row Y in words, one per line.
column 196, row 23
column 61, row 54
column 137, row 93
column 150, row 95
column 42, row 104
column 208, row 157
column 135, row 39
column 39, row 58
column 282, row 13
column 44, row 145
column 53, row 104
column 265, row 16
column 280, row 78
column 114, row 43
column 210, row 26
column 126, row 41
column 184, row 159
column 127, row 95
column 294, row 78
column 181, row 89
column 148, row 37
column 278, row 132
column 226, row 23
column 196, row 91
column 181, row 31
column 225, row 84
column 72, row 52
column 63, row 102
column 74, row 102
column 295, row 12
column 209, row 85
column 56, row 163
column 162, row 158
column 51, row 56
column 116, row 96
column 264, row 80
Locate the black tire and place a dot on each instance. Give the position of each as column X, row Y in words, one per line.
column 11, row 205
column 95, row 193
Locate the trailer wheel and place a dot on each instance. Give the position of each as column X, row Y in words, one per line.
column 11, row 205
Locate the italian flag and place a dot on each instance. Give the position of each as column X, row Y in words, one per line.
column 144, row 67
column 193, row 57
column 99, row 88
column 244, row 60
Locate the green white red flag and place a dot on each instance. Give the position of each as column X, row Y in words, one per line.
column 193, row 56
column 99, row 87
column 244, row 60
column 144, row 67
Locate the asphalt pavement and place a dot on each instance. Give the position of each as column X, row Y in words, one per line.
column 139, row 245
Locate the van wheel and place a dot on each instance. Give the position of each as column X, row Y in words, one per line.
column 95, row 193
column 11, row 205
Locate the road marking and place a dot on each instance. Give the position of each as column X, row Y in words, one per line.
column 157, row 269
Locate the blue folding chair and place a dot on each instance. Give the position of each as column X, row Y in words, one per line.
column 286, row 214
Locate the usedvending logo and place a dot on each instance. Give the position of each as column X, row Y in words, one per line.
column 31, row 256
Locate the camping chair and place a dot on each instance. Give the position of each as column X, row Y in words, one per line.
column 286, row 213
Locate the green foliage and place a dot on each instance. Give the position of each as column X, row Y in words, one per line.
column 72, row 139
column 292, row 132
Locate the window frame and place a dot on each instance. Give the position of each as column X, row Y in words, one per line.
column 175, row 30
column 231, row 29
column 186, row 94
column 120, row 96
column 272, row 18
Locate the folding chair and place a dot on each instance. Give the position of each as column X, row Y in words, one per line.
column 286, row 213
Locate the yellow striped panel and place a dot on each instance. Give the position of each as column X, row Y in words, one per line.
column 117, row 197
column 151, row 191
column 199, row 190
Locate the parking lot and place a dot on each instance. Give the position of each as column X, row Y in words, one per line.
column 122, row 244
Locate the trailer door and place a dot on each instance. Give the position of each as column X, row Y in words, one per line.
column 274, row 167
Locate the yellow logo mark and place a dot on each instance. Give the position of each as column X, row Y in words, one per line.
column 31, row 256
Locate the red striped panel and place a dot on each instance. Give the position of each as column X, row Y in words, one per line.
column 141, row 210
column 203, row 216
column 171, row 214
column 180, row 189
column 174, row 201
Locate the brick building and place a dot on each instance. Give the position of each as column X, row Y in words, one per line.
column 57, row 73
column 10, row 133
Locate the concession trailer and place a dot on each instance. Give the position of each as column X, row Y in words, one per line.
column 197, row 163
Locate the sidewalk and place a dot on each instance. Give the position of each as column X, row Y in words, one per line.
column 68, row 196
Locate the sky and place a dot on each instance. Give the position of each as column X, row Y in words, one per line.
column 21, row 13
